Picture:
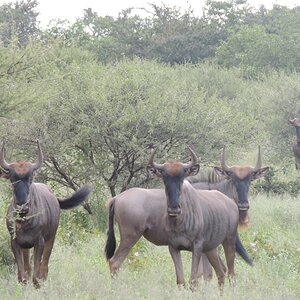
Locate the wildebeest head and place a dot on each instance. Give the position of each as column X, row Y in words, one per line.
column 21, row 175
column 241, row 177
column 296, row 123
column 173, row 174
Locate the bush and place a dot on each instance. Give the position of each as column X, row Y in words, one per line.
column 6, row 256
column 273, row 184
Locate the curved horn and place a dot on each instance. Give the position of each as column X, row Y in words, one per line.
column 40, row 159
column 151, row 162
column 258, row 163
column 3, row 163
column 224, row 166
column 194, row 159
column 292, row 121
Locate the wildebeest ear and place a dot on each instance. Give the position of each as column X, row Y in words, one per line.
column 193, row 170
column 259, row 173
column 220, row 172
column 154, row 171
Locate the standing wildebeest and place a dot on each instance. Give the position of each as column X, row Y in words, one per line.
column 235, row 182
column 296, row 146
column 180, row 217
column 33, row 216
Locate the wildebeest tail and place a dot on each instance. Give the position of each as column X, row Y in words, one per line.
column 242, row 251
column 110, row 246
column 77, row 198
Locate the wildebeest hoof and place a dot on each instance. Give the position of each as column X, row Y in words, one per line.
column 23, row 281
column 194, row 285
column 36, row 283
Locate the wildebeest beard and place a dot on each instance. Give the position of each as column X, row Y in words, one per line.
column 21, row 196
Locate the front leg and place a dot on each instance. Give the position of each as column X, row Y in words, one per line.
column 38, row 252
column 176, row 256
column 18, row 254
column 27, row 265
column 196, row 255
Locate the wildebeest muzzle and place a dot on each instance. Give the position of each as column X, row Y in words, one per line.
column 174, row 212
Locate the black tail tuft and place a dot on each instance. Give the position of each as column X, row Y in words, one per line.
column 242, row 251
column 110, row 246
column 77, row 198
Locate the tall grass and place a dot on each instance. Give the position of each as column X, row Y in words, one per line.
column 79, row 270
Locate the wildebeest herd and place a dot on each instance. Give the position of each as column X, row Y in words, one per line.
column 187, row 214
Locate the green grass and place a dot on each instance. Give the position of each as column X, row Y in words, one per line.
column 80, row 271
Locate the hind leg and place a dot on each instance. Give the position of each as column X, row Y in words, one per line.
column 27, row 263
column 229, row 249
column 126, row 243
column 216, row 263
column 43, row 274
column 204, row 268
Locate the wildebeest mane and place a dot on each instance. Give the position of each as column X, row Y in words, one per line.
column 207, row 175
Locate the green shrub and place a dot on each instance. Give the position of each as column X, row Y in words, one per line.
column 273, row 183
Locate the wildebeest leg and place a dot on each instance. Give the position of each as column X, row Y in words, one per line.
column 229, row 249
column 215, row 261
column 18, row 253
column 205, row 268
column 196, row 255
column 176, row 256
column 27, row 265
column 38, row 252
column 297, row 165
column 126, row 243
column 45, row 259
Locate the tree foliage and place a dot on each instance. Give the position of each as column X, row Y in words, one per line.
column 269, row 41
column 18, row 19
column 101, row 93
column 166, row 34
column 100, row 122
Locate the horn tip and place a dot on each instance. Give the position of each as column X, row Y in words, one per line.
column 189, row 147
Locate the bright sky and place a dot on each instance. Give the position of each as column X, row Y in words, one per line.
column 72, row 9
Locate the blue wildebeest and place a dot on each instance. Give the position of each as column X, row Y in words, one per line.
column 33, row 216
column 179, row 217
column 296, row 146
column 234, row 182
